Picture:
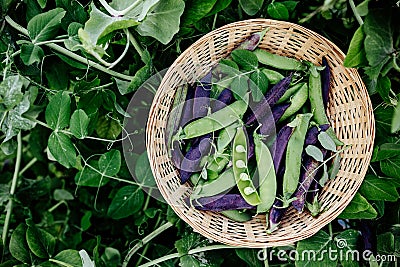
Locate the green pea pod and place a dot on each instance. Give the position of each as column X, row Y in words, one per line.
column 293, row 158
column 290, row 92
column 215, row 121
column 297, row 101
column 240, row 170
column 217, row 164
column 226, row 136
column 277, row 61
column 236, row 215
column 273, row 76
column 222, row 184
column 317, row 104
column 266, row 175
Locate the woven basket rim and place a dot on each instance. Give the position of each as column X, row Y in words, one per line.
column 315, row 224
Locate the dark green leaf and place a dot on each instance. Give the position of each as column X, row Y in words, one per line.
column 346, row 242
column 140, row 77
column 85, row 220
column 62, row 194
column 42, row 3
column 189, row 261
column 383, row 87
column 391, row 166
column 57, row 75
column 362, row 8
column 90, row 176
column 18, row 246
column 245, row 59
column 251, row 7
column 396, row 119
column 196, row 10
column 385, row 243
column 69, row 257
column 278, row 10
column 315, row 152
column 79, row 124
column 128, row 200
column 143, row 171
column 250, row 256
column 313, row 248
column 359, row 208
column 259, row 85
column 58, row 111
column 62, row 149
column 375, row 188
column 356, row 53
column 378, row 41
column 108, row 128
column 75, row 11
column 290, row 5
column 111, row 257
column 44, row 26
column 31, row 53
column 40, row 242
column 219, row 6
column 110, row 162
column 162, row 22
column 383, row 120
column 186, row 243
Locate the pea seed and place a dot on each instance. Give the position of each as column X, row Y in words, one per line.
column 249, row 190
column 244, row 177
column 240, row 149
column 240, row 164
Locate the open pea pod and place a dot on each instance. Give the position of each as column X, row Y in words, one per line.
column 240, row 170
column 222, row 184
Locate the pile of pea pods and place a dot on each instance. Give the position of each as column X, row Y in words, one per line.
column 252, row 135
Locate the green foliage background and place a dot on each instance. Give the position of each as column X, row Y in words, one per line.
column 68, row 72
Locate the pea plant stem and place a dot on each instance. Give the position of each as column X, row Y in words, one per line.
column 134, row 43
column 12, row 189
column 354, row 9
column 145, row 240
column 27, row 166
column 176, row 255
column 70, row 54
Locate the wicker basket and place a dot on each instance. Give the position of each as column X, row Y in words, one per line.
column 349, row 111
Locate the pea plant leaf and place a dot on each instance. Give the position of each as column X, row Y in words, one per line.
column 359, row 208
column 58, row 111
column 375, row 188
column 128, row 200
column 79, row 124
column 162, row 22
column 278, row 10
column 356, row 56
column 396, row 119
column 139, row 11
column 100, row 25
column 18, row 246
column 315, row 152
column 143, row 171
column 186, row 243
column 91, row 176
column 10, row 92
column 391, row 166
column 69, row 257
column 346, row 243
column 385, row 151
column 195, row 10
column 245, row 59
column 31, row 53
column 75, row 12
column 62, row 149
column 311, row 251
column 326, row 141
column 44, row 26
column 40, row 242
column 259, row 85
column 110, row 162
column 251, row 7
column 250, row 256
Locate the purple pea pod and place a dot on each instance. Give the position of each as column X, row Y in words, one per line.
column 275, row 215
column 312, row 134
column 280, row 144
column 220, row 203
column 326, row 81
column 224, row 99
column 308, row 174
column 191, row 162
column 201, row 101
column 187, row 112
column 251, row 42
column 270, row 98
column 251, row 146
column 267, row 123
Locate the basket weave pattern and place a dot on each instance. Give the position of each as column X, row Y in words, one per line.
column 350, row 113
